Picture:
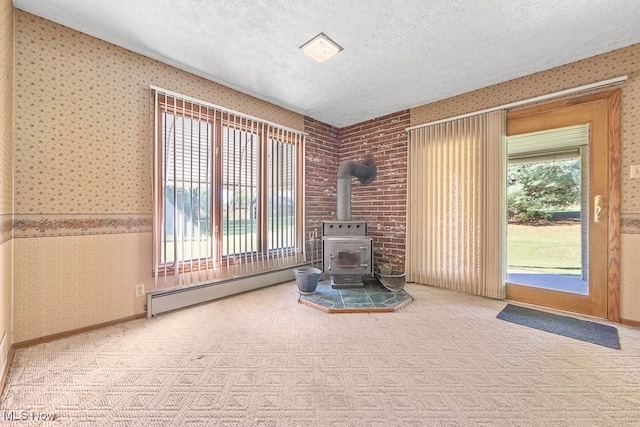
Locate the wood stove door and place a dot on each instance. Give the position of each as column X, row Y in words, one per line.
column 347, row 257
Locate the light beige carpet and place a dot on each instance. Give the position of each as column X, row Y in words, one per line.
column 262, row 359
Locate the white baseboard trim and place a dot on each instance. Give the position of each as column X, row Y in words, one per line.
column 172, row 299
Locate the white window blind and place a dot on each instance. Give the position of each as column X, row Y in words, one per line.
column 456, row 209
column 228, row 193
column 568, row 139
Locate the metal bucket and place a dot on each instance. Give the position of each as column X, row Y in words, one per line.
column 393, row 282
column 307, row 279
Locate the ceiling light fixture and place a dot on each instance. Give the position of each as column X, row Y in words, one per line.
column 320, row 48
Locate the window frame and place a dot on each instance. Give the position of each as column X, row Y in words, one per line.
column 265, row 132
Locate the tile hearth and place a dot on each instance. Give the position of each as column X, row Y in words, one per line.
column 372, row 298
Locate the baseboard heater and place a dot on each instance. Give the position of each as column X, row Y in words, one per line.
column 172, row 299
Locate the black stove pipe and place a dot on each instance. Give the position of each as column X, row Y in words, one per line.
column 365, row 170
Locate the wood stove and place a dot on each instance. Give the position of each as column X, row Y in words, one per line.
column 347, row 253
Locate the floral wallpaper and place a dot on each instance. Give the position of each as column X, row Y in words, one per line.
column 6, row 178
column 83, row 150
column 6, row 118
column 616, row 63
column 83, row 123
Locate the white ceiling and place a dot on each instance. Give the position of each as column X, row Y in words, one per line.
column 397, row 54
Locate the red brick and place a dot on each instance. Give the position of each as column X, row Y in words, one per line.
column 382, row 203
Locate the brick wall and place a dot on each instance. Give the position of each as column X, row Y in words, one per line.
column 383, row 202
column 321, row 163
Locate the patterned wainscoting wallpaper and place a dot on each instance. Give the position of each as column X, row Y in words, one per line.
column 6, row 297
column 630, row 277
column 617, row 63
column 66, row 283
column 83, row 136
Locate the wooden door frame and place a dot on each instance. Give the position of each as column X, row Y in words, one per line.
column 612, row 98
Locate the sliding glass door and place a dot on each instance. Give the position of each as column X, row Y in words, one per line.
column 561, row 209
column 548, row 210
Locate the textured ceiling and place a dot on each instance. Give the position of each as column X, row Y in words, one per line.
column 396, row 55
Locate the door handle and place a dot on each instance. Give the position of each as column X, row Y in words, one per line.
column 597, row 209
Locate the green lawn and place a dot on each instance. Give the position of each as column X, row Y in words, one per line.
column 553, row 249
column 234, row 243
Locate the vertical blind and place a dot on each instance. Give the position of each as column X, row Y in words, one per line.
column 456, row 204
column 228, row 193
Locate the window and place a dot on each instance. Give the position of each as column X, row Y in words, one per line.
column 228, row 190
